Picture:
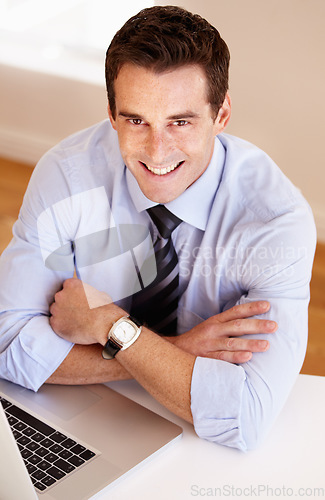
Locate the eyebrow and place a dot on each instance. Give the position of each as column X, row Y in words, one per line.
column 130, row 115
column 178, row 116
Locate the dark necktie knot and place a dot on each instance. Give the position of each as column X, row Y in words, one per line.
column 164, row 220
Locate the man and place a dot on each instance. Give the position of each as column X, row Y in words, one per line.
column 244, row 245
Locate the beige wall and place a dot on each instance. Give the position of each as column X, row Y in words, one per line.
column 37, row 110
column 277, row 83
column 277, row 86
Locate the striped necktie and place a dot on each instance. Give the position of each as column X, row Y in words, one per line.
column 156, row 305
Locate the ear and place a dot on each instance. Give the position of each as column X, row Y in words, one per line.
column 110, row 116
column 223, row 115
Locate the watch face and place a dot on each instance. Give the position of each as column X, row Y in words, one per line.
column 124, row 332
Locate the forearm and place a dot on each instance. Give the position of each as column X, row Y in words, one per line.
column 163, row 369
column 84, row 365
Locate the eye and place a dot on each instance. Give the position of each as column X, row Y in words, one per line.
column 136, row 121
column 180, row 123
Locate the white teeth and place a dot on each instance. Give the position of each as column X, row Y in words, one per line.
column 162, row 171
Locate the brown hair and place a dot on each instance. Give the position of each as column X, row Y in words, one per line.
column 163, row 38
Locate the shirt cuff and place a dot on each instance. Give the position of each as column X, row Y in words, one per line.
column 34, row 354
column 216, row 401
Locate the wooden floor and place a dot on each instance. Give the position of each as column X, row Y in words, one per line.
column 13, row 181
column 315, row 358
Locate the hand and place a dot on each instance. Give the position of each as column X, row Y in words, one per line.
column 216, row 337
column 82, row 314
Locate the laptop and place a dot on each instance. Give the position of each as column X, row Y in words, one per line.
column 73, row 441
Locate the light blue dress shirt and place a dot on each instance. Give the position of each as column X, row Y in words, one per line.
column 248, row 234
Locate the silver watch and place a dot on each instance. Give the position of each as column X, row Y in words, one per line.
column 121, row 336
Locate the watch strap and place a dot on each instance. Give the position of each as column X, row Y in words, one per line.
column 134, row 320
column 110, row 350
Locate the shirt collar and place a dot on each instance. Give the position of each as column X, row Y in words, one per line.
column 194, row 205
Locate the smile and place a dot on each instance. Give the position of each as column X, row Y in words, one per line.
column 162, row 170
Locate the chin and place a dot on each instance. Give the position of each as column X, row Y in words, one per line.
column 161, row 198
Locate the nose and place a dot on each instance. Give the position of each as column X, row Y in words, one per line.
column 158, row 147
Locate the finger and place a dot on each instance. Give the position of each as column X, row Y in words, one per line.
column 53, row 322
column 249, row 345
column 58, row 296
column 52, row 308
column 245, row 327
column 232, row 357
column 71, row 282
column 244, row 311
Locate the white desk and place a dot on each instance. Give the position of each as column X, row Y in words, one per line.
column 292, row 457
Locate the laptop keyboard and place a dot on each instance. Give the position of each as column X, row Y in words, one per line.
column 49, row 455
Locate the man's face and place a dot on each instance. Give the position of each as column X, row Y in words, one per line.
column 165, row 127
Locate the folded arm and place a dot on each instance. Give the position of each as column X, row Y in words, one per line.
column 231, row 403
column 162, row 366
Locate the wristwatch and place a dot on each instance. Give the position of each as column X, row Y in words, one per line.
column 121, row 336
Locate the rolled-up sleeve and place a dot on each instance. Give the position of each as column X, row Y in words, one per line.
column 236, row 405
column 29, row 349
column 33, row 355
column 216, row 386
